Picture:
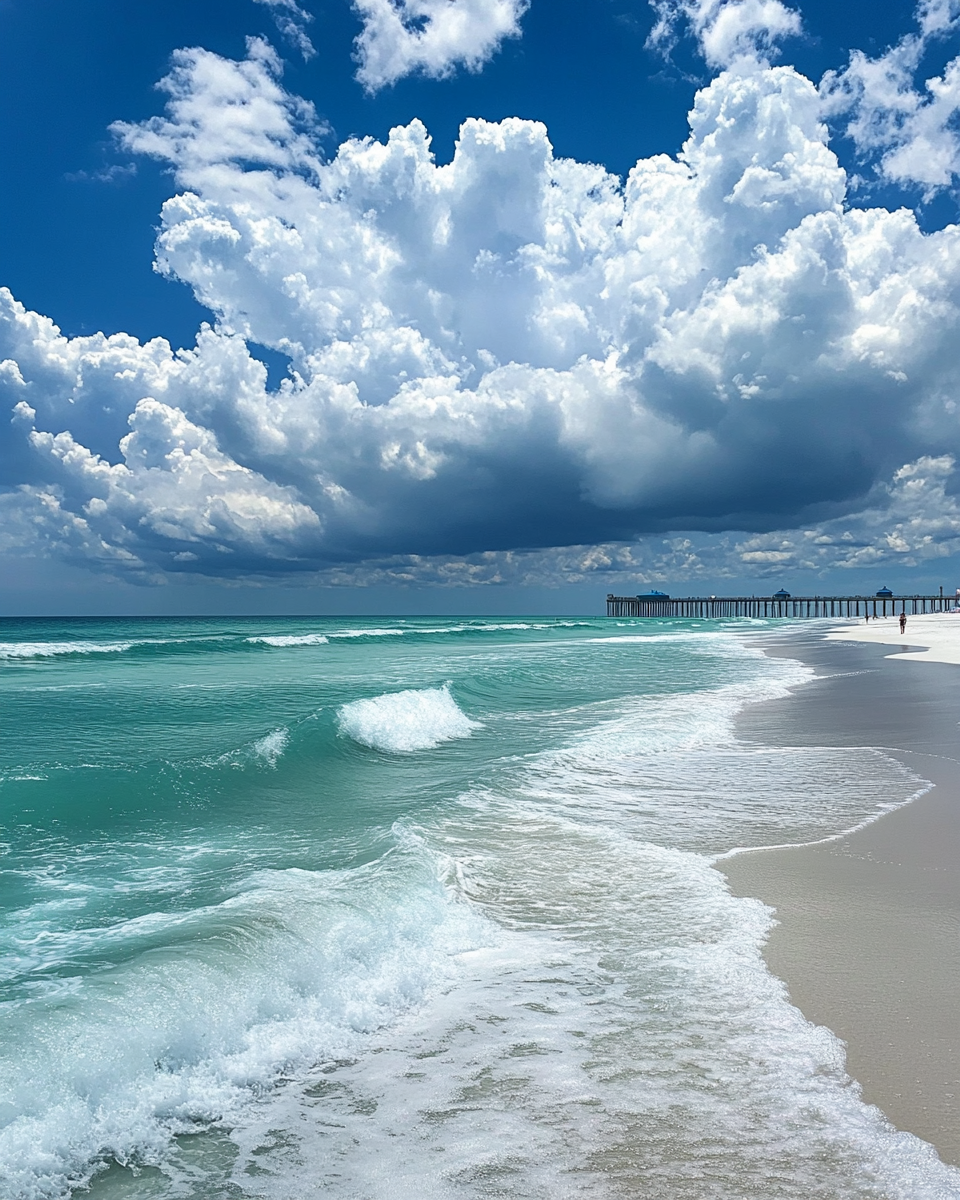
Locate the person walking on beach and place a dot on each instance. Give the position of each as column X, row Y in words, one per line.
column 903, row 622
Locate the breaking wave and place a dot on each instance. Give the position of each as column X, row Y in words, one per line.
column 400, row 722
column 291, row 639
column 52, row 649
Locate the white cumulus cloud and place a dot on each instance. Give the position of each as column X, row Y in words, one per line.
column 725, row 30
column 430, row 37
column 908, row 128
column 498, row 356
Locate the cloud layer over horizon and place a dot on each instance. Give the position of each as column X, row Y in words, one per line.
column 500, row 356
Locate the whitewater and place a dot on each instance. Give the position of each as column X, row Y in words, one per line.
column 413, row 908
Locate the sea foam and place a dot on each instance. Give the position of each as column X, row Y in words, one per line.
column 400, row 722
column 621, row 1031
column 298, row 967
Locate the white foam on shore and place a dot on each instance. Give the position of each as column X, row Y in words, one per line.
column 671, row 769
column 624, row 1037
column 401, row 722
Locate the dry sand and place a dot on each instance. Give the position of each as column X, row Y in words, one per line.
column 938, row 633
column 869, row 934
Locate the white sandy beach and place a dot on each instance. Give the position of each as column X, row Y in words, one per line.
column 938, row 632
column 867, row 933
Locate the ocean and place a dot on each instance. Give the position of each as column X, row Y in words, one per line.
column 417, row 909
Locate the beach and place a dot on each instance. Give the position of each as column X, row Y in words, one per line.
column 932, row 638
column 868, row 933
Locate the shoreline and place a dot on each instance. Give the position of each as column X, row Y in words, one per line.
column 868, row 932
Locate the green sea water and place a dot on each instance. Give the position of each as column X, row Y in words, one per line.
column 391, row 908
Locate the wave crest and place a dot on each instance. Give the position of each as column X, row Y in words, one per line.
column 52, row 649
column 400, row 722
column 291, row 639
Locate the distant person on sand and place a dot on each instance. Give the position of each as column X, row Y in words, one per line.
column 903, row 622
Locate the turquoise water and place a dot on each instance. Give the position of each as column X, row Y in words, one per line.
column 428, row 907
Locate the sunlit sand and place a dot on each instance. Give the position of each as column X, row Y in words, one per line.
column 939, row 633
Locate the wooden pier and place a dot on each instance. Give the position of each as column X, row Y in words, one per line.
column 776, row 606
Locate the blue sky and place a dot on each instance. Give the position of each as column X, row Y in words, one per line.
column 547, row 408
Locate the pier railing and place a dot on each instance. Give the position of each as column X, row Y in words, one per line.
column 776, row 606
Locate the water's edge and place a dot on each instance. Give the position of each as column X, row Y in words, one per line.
column 867, row 921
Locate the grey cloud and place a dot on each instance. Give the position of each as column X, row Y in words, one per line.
column 912, row 521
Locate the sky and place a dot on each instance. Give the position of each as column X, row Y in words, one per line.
column 475, row 305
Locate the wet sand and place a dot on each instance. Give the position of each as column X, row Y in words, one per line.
column 868, row 940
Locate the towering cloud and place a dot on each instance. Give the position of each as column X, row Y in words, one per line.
column 506, row 353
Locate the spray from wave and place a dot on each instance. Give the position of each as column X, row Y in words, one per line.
column 270, row 748
column 264, row 752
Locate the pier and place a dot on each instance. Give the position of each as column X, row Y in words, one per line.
column 781, row 605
